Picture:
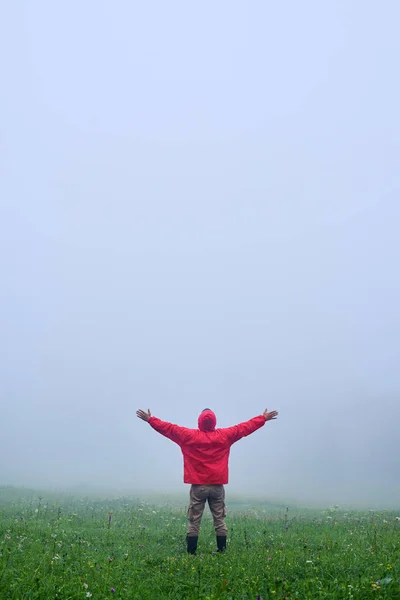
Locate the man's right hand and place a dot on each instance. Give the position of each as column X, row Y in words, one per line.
column 145, row 416
column 269, row 416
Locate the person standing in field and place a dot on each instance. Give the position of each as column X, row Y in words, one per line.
column 205, row 458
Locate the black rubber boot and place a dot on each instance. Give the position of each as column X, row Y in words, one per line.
column 191, row 541
column 221, row 543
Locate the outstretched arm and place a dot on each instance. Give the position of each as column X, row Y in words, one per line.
column 177, row 434
column 236, row 432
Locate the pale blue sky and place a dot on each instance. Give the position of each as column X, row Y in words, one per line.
column 199, row 206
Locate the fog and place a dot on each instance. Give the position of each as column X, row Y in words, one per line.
column 200, row 208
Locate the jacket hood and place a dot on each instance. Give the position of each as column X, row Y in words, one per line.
column 207, row 420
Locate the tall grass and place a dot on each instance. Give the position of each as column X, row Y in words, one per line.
column 61, row 547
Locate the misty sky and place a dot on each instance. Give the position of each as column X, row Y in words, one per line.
column 199, row 207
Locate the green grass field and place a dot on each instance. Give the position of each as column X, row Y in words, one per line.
column 60, row 548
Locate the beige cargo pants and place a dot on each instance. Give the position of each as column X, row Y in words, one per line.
column 215, row 495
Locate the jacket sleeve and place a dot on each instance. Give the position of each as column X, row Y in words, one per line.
column 177, row 434
column 237, row 432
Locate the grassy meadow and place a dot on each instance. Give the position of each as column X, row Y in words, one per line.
column 65, row 548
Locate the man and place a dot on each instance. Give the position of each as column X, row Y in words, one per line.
column 205, row 457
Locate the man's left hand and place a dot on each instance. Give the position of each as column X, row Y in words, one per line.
column 145, row 416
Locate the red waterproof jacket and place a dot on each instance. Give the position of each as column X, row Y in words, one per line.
column 206, row 449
